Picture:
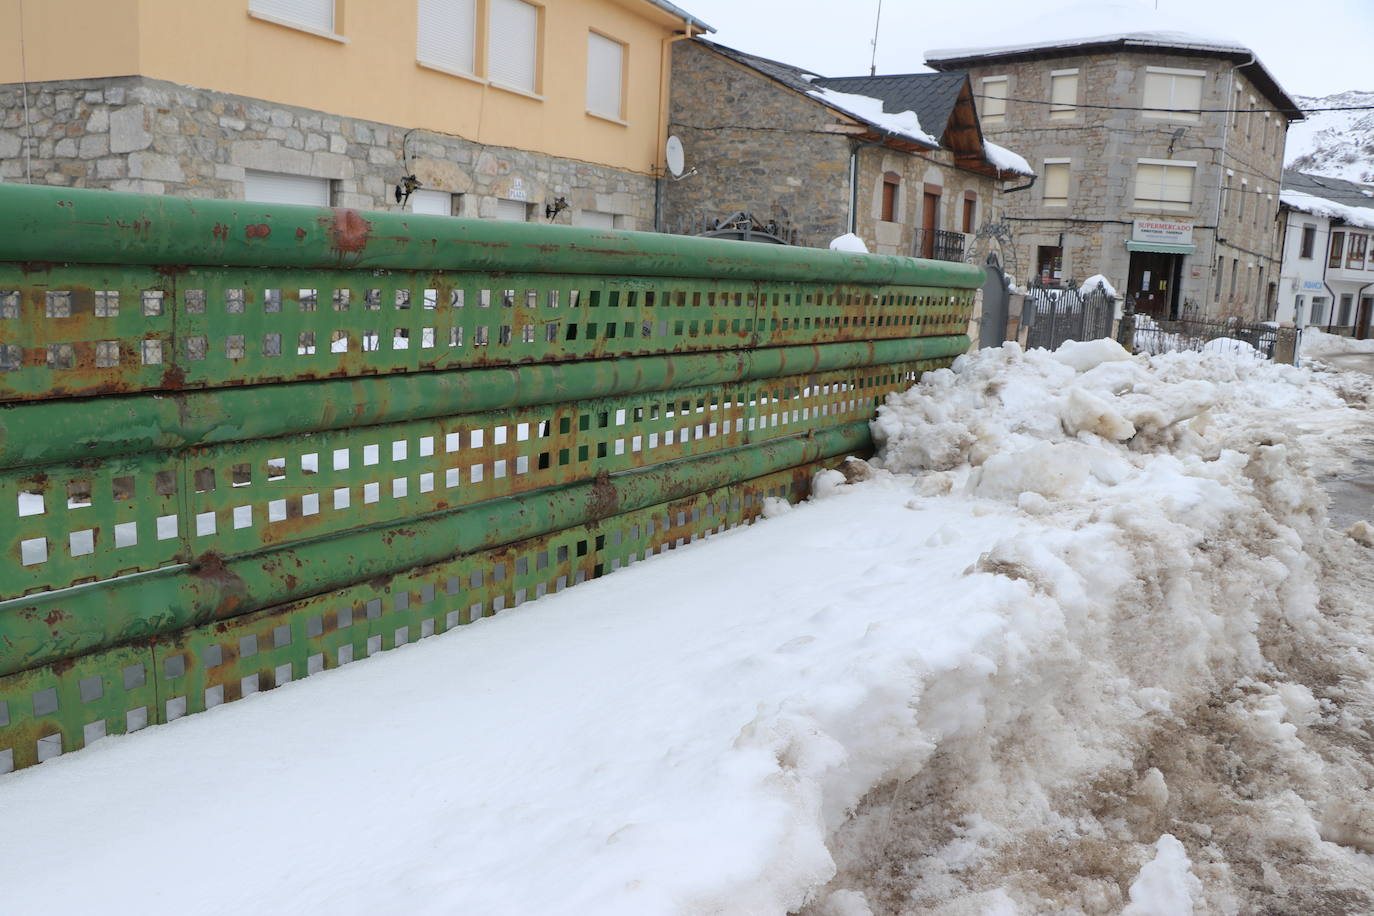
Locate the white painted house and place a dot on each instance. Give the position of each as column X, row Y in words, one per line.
column 1327, row 277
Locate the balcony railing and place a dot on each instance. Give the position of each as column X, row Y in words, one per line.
column 939, row 245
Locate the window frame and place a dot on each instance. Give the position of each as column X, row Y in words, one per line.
column 1307, row 246
column 890, row 198
column 332, row 33
column 1000, row 116
column 538, row 51
column 624, row 46
column 1336, row 250
column 1163, row 206
column 1060, row 111
column 1355, row 250
column 1045, row 199
column 478, row 46
column 1171, row 113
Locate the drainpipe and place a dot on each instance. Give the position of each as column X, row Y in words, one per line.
column 664, row 83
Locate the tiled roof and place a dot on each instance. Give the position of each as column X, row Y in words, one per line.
column 802, row 81
column 1349, row 193
column 931, row 95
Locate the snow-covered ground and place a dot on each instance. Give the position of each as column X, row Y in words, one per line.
column 1079, row 640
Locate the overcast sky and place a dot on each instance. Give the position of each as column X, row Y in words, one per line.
column 1313, row 47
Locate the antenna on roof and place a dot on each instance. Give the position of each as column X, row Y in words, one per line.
column 873, row 65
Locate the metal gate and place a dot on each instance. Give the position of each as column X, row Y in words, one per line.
column 241, row 444
column 1054, row 315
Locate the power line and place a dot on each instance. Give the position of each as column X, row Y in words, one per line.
column 1067, row 106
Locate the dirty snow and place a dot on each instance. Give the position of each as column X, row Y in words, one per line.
column 1078, row 640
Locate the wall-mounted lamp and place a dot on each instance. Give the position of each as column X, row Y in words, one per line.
column 552, row 210
column 407, row 187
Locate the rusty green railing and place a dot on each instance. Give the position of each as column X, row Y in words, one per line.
column 240, row 444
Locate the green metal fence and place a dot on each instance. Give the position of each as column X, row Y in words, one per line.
column 242, row 444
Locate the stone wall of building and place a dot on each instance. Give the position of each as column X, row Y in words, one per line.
column 150, row 136
column 756, row 146
column 1104, row 146
column 916, row 172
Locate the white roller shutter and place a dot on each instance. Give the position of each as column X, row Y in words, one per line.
column 594, row 219
column 514, row 210
column 1166, row 92
column 1064, row 94
column 437, row 203
column 513, row 45
column 317, row 14
column 272, row 188
column 605, row 63
column 446, row 36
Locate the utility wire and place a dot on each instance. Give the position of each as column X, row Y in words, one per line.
column 1067, row 106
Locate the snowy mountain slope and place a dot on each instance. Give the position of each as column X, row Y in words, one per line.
column 1339, row 144
column 1079, row 641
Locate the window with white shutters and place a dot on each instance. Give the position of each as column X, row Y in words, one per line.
column 446, row 34
column 313, row 14
column 513, row 210
column 994, row 99
column 1172, row 93
column 1063, row 94
column 275, row 188
column 594, row 219
column 437, row 203
column 513, row 45
column 1164, row 185
column 605, row 75
column 1056, row 176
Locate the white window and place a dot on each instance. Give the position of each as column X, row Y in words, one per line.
column 1164, row 185
column 274, row 188
column 1063, row 94
column 1168, row 92
column 446, row 35
column 313, row 14
column 594, row 219
column 1056, row 172
column 436, row 203
column 994, row 99
column 513, row 210
column 513, row 45
column 605, row 75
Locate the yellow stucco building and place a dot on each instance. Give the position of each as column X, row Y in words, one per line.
column 498, row 107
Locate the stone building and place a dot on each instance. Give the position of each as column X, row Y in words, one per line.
column 1160, row 157
column 1328, row 254
column 333, row 103
column 898, row 160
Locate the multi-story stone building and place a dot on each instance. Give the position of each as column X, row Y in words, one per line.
column 498, row 107
column 1328, row 254
column 1160, row 158
column 898, row 160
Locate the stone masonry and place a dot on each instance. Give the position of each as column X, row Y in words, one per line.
column 150, row 136
column 1238, row 157
column 760, row 147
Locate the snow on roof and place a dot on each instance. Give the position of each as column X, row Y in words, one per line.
column 1320, row 206
column 1005, row 160
column 1096, row 22
column 868, row 109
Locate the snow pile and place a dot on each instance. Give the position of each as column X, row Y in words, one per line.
column 1094, row 282
column 1004, row 159
column 1320, row 206
column 869, row 109
column 849, row 242
column 1057, row 648
column 1092, row 21
column 1316, row 344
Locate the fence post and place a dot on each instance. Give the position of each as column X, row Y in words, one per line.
column 1286, row 346
column 1125, row 329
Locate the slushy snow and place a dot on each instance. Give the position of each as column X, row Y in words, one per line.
column 1078, row 640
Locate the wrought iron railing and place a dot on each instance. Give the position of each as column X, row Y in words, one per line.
column 939, row 245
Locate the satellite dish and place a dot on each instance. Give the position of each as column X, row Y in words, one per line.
column 673, row 153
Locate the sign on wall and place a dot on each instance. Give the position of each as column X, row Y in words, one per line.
column 1162, row 231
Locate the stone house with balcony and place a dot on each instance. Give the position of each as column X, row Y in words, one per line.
column 1160, row 157
column 898, row 160
column 1327, row 279
column 334, row 102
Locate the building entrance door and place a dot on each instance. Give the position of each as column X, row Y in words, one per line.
column 1153, row 281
